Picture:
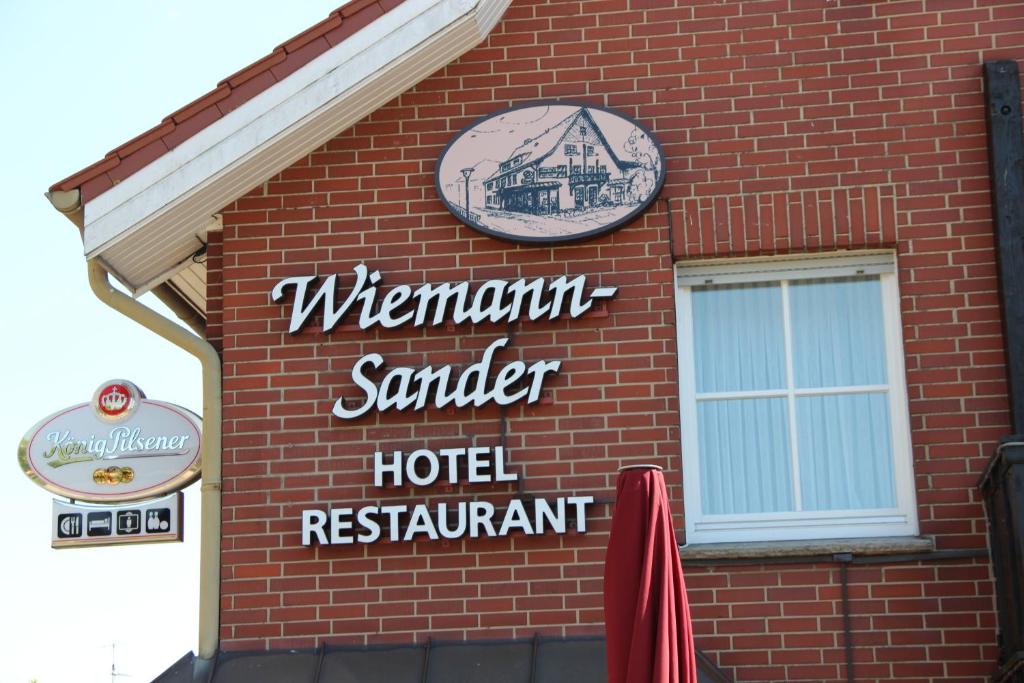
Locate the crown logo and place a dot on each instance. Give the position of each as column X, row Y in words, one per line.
column 114, row 401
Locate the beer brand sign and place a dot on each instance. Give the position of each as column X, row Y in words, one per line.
column 550, row 172
column 118, row 447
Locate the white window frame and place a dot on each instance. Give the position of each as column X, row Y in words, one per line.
column 900, row 520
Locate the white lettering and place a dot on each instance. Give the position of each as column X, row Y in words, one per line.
column 394, row 467
column 499, row 466
column 494, row 301
column 434, row 467
column 493, row 310
column 453, row 462
column 363, row 517
column 397, row 396
column 339, row 523
column 420, row 522
column 313, row 522
column 446, row 520
column 392, row 511
column 515, row 518
column 542, row 511
column 374, row 359
column 581, row 503
column 442, row 520
column 477, row 466
column 480, row 514
column 402, row 387
column 324, row 297
column 394, row 300
column 519, row 289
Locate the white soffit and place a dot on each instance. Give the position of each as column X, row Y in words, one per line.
column 145, row 228
column 190, row 283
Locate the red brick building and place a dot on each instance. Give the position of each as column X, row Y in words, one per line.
column 838, row 142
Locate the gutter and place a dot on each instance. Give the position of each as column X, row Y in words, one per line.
column 69, row 204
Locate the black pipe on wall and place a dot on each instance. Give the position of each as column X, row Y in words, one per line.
column 1006, row 169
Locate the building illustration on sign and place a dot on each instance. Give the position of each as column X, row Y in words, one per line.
column 563, row 173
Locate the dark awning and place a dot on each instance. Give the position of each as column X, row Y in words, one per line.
column 530, row 187
column 540, row 660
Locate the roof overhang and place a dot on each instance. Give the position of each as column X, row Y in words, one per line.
column 150, row 227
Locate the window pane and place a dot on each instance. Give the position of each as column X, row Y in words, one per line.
column 838, row 339
column 845, row 452
column 744, row 456
column 738, row 338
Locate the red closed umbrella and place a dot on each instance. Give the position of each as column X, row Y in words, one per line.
column 647, row 617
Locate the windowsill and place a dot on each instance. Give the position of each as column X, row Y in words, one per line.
column 890, row 545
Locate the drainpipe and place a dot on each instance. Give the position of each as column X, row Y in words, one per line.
column 209, row 542
column 69, row 204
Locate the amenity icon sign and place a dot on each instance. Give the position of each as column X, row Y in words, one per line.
column 550, row 173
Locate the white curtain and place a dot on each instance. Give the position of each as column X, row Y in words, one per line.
column 837, row 333
column 744, row 456
column 738, row 338
column 843, row 453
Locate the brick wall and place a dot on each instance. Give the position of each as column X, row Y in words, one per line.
column 909, row 621
column 789, row 125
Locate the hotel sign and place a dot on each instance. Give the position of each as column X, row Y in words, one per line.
column 550, row 172
column 384, row 388
column 405, row 388
column 423, row 467
column 118, row 447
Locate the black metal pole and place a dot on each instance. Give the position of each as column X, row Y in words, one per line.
column 844, row 560
column 1006, row 166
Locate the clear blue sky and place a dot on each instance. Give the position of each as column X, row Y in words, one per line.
column 80, row 78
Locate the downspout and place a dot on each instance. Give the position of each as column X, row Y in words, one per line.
column 209, row 542
column 69, row 204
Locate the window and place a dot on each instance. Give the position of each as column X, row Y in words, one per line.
column 793, row 402
column 571, row 150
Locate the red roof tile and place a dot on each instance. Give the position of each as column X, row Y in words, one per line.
column 230, row 93
column 255, row 69
column 204, row 102
column 244, row 92
column 192, row 125
column 300, row 56
column 353, row 8
column 312, row 33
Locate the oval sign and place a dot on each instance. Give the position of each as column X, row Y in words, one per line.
column 118, row 447
column 550, row 172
